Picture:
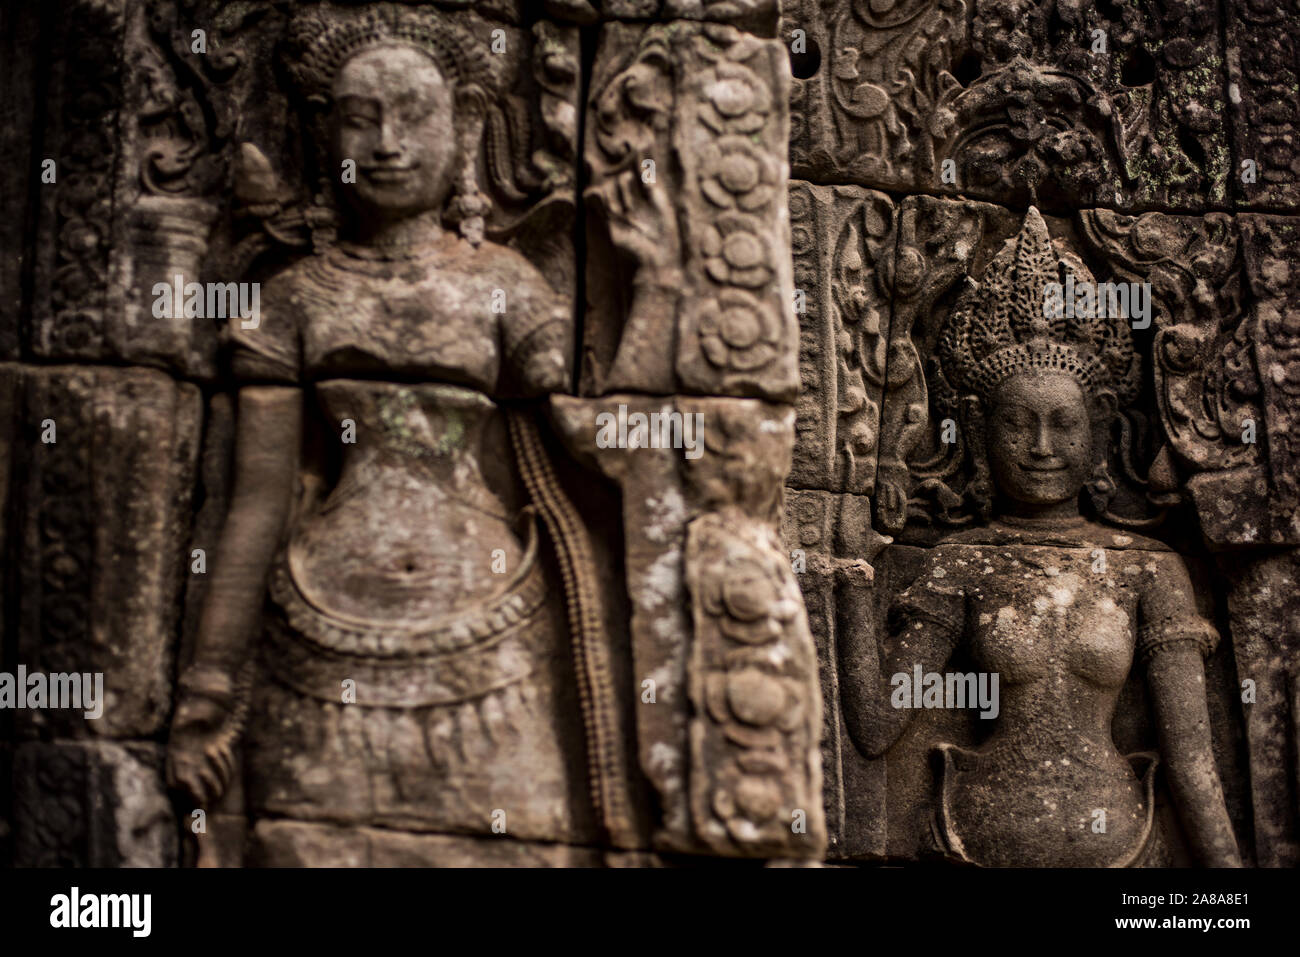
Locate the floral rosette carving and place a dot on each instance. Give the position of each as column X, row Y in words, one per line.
column 734, row 99
column 735, row 175
column 733, row 337
column 754, row 739
column 747, row 603
column 735, row 251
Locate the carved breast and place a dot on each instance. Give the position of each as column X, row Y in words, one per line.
column 1044, row 610
column 428, row 317
column 1034, row 611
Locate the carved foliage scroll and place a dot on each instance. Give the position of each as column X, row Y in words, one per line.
column 1020, row 102
column 843, row 244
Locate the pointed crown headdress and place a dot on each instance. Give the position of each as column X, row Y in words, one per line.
column 322, row 38
column 1004, row 325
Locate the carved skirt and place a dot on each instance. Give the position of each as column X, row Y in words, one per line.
column 1148, row 849
column 451, row 726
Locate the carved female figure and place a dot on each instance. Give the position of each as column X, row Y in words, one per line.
column 1059, row 606
column 380, row 647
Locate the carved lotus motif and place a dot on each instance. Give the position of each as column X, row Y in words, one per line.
column 755, row 697
column 754, row 704
column 736, row 252
column 735, row 175
column 737, row 332
column 734, row 99
column 745, row 802
column 628, row 108
column 749, row 602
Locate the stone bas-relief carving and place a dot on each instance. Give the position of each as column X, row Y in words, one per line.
column 373, row 583
column 1066, row 105
column 1197, row 338
column 395, row 633
column 689, row 235
column 728, row 716
column 1036, row 601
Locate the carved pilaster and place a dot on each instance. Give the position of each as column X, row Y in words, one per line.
column 729, row 734
column 689, row 277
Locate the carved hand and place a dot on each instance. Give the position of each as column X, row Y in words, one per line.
column 200, row 751
column 642, row 222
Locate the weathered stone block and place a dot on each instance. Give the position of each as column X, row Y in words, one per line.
column 1263, row 58
column 690, row 606
column 107, row 463
column 92, row 804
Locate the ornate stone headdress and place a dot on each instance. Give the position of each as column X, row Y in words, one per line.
column 324, row 37
column 1000, row 326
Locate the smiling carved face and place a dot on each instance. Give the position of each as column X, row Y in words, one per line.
column 393, row 119
column 1039, row 438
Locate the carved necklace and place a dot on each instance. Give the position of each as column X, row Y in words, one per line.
column 387, row 252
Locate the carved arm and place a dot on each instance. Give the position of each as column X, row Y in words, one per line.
column 1177, row 678
column 867, row 667
column 1174, row 641
column 204, row 729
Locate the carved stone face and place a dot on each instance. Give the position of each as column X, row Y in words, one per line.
column 1039, row 438
column 393, row 118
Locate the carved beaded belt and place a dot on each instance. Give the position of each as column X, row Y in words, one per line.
column 401, row 664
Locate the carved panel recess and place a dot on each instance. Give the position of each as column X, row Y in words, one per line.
column 921, row 477
column 107, row 463
column 1190, row 264
column 1063, row 106
column 943, row 249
